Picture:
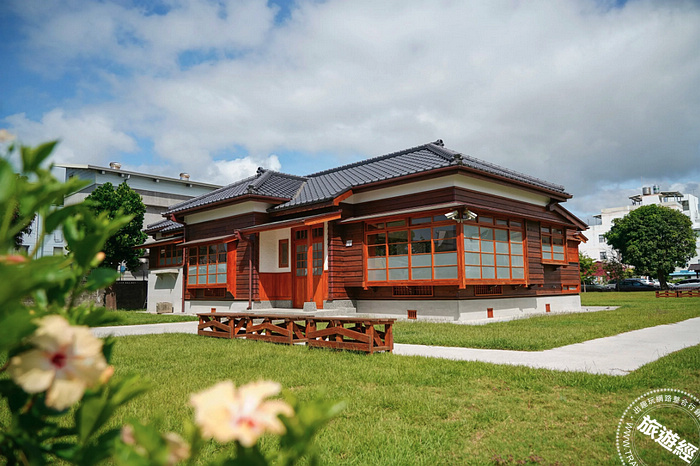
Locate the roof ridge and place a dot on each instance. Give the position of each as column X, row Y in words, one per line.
column 370, row 160
column 447, row 154
column 513, row 172
column 287, row 175
column 260, row 179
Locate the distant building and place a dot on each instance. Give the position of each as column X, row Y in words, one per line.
column 596, row 247
column 158, row 193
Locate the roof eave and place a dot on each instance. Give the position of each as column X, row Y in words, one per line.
column 339, row 197
column 225, row 202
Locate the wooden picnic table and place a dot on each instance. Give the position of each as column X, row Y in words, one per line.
column 347, row 333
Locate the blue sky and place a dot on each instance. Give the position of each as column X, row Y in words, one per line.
column 599, row 96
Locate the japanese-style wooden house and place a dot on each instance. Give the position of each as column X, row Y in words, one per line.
column 424, row 232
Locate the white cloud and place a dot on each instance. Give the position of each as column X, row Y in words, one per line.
column 591, row 98
column 224, row 171
column 85, row 138
column 64, row 32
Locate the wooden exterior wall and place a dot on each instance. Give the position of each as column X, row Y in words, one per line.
column 345, row 273
column 227, row 227
column 347, row 262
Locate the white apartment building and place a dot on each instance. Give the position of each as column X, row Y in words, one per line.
column 157, row 192
column 596, row 247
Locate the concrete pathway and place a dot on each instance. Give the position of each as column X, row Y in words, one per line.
column 615, row 355
column 147, row 329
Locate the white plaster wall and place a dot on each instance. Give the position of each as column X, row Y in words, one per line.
column 227, row 211
column 269, row 250
column 461, row 181
column 165, row 288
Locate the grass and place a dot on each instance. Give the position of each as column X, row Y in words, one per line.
column 409, row 410
column 637, row 310
column 413, row 410
column 140, row 318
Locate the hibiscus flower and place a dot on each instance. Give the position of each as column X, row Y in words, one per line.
column 65, row 361
column 226, row 414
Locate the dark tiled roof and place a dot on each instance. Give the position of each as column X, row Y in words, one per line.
column 264, row 183
column 163, row 226
column 328, row 184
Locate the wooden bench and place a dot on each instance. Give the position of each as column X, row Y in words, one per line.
column 277, row 328
column 350, row 333
column 347, row 333
column 678, row 294
column 223, row 325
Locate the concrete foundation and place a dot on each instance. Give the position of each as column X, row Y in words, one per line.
column 197, row 307
column 463, row 310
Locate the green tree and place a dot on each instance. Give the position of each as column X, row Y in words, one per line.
column 26, row 229
column 653, row 239
column 116, row 203
column 616, row 269
column 587, row 268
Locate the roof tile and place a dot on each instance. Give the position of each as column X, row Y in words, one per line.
column 327, row 184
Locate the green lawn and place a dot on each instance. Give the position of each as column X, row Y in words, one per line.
column 139, row 318
column 637, row 310
column 409, row 410
column 413, row 410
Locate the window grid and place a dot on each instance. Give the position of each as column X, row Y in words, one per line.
column 418, row 248
column 412, row 291
column 494, row 250
column 207, row 265
column 283, row 259
column 487, row 290
column 168, row 255
column 301, row 260
column 553, row 244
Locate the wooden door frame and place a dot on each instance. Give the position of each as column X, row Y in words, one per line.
column 309, row 285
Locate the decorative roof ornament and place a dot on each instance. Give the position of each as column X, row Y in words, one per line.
column 440, row 143
column 260, row 171
column 459, row 160
column 251, row 189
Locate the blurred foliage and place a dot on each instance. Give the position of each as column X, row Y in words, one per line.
column 36, row 432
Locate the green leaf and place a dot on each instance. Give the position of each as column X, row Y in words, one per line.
column 14, row 327
column 93, row 412
column 57, row 217
column 32, row 158
column 101, row 278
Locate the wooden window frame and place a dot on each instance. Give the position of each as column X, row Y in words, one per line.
column 198, row 263
column 552, row 233
column 396, row 224
column 508, row 225
column 283, row 254
column 437, row 219
column 571, row 288
column 169, row 251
